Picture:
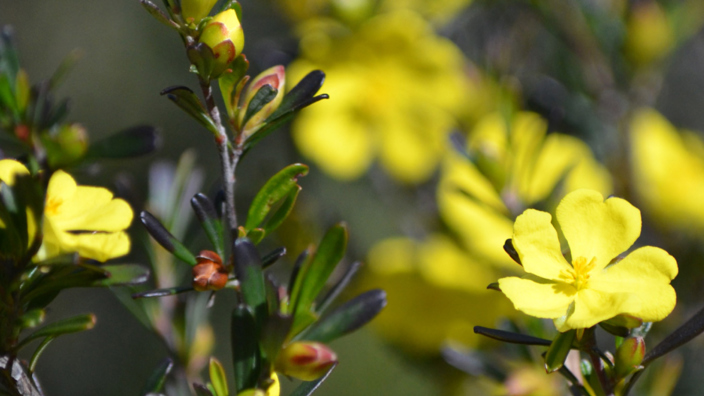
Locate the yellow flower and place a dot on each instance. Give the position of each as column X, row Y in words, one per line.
column 397, row 89
column 516, row 165
column 434, row 289
column 79, row 219
column 668, row 170
column 590, row 289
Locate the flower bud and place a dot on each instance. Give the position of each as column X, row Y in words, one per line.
column 225, row 37
column 209, row 273
column 305, row 360
column 276, row 78
column 68, row 145
column 629, row 355
column 195, row 10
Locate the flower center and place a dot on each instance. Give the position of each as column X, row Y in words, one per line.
column 52, row 205
column 582, row 268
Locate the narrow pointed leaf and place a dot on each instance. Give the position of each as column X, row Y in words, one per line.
column 123, row 274
column 271, row 257
column 228, row 83
column 618, row 331
column 283, row 211
column 248, row 269
column 275, row 189
column 170, row 291
column 188, row 101
column 38, row 352
column 245, row 348
column 165, row 239
column 558, row 350
column 205, row 211
column 511, row 251
column 685, row 333
column 65, row 326
column 339, row 287
column 128, row 143
column 274, row 334
column 308, row 387
column 156, row 13
column 510, row 337
column 348, row 317
column 301, row 93
column 313, row 276
column 264, row 95
column 218, row 378
column 155, row 382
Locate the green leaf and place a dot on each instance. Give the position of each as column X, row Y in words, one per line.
column 32, row 319
column 9, row 61
column 205, row 211
column 558, row 350
column 301, row 95
column 308, row 387
column 248, row 270
column 685, row 333
column 245, row 348
column 129, row 143
column 510, row 337
column 165, row 239
column 274, row 333
column 269, row 126
column 156, row 13
column 511, row 251
column 218, row 378
column 123, row 274
column 155, row 382
column 65, row 326
column 618, row 331
column 339, row 287
column 283, row 211
column 272, row 256
column 170, row 291
column 189, row 102
column 38, row 352
column 233, row 4
column 276, row 188
column 256, row 235
column 264, row 95
column 315, row 273
column 348, row 317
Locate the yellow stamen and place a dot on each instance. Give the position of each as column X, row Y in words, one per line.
column 52, row 205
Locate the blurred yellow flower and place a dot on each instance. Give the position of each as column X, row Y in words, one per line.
column 515, row 164
column 649, row 36
column 79, row 219
column 434, row 290
column 589, row 290
column 668, row 171
column 396, row 91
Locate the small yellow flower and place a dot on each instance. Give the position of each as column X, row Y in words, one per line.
column 79, row 219
column 590, row 289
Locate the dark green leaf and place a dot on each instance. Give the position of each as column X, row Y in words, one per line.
column 123, row 274
column 301, row 94
column 202, row 390
column 685, row 333
column 162, row 292
column 275, row 189
column 264, row 95
column 271, row 257
column 558, row 350
column 494, row 286
column 156, row 13
column 9, row 62
column 274, row 333
column 64, row 68
column 256, row 235
column 205, row 211
column 245, row 348
column 267, row 127
column 156, row 381
column 510, row 337
column 38, row 352
column 511, row 251
column 233, row 4
column 65, row 326
column 165, row 239
column 348, row 317
column 339, row 287
column 618, row 331
column 313, row 276
column 283, row 211
column 248, row 269
column 189, row 102
column 230, row 82
column 129, row 143
column 308, row 387
column 218, row 378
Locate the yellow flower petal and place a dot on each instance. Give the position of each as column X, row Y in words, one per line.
column 542, row 299
column 644, row 275
column 9, row 168
column 595, row 228
column 537, row 244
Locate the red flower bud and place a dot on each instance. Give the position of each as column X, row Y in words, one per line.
column 629, row 355
column 209, row 273
column 305, row 360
